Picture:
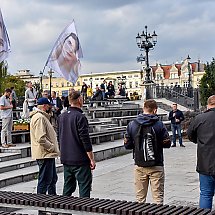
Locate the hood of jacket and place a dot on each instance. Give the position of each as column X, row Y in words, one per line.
column 32, row 113
column 147, row 119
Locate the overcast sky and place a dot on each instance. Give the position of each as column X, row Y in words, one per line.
column 107, row 31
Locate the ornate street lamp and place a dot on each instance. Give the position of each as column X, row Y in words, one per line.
column 189, row 88
column 50, row 81
column 146, row 42
column 41, row 80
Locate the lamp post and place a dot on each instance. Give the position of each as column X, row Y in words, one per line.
column 189, row 88
column 50, row 81
column 41, row 81
column 146, row 42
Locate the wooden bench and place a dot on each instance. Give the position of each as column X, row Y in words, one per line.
column 75, row 205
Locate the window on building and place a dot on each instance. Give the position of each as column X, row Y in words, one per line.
column 56, row 84
column 78, row 83
column 67, row 84
column 136, row 76
column 96, row 79
column 101, row 78
column 62, row 84
column 47, row 85
column 85, row 79
column 130, row 76
column 136, row 84
column 130, row 84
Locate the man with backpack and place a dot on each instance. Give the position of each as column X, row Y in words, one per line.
column 147, row 136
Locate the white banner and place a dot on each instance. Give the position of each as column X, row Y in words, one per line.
column 4, row 40
column 66, row 53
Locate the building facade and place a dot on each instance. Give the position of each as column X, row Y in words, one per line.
column 167, row 75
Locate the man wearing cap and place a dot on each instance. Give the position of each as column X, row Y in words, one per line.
column 76, row 148
column 44, row 147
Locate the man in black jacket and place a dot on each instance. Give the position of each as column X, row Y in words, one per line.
column 76, row 148
column 145, row 173
column 176, row 116
column 202, row 132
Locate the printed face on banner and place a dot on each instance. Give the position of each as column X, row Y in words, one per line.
column 64, row 58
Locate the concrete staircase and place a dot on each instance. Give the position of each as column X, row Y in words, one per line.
column 16, row 165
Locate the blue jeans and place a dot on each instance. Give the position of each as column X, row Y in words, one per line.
column 207, row 187
column 47, row 178
column 176, row 127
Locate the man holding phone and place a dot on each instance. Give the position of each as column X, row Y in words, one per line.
column 176, row 116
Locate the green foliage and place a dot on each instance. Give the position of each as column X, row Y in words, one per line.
column 3, row 74
column 207, row 83
column 13, row 81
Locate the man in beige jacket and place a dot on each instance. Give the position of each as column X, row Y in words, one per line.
column 44, row 147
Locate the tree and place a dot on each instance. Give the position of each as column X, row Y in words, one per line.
column 13, row 81
column 3, row 74
column 207, row 83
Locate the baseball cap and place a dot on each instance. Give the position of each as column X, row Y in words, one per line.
column 43, row 101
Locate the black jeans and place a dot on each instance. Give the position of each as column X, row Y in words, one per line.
column 80, row 173
column 47, row 176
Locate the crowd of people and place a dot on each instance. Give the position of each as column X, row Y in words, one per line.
column 60, row 129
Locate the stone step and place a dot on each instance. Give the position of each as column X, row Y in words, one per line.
column 9, row 156
column 22, row 175
column 24, row 149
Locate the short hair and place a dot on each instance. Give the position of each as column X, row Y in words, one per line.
column 211, row 100
column 73, row 96
column 8, row 90
column 54, row 92
column 150, row 105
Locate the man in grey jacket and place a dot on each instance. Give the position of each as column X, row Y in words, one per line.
column 30, row 96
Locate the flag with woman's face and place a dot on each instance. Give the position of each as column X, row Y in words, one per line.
column 4, row 40
column 66, row 53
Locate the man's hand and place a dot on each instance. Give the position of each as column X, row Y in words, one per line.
column 92, row 164
column 10, row 106
column 177, row 120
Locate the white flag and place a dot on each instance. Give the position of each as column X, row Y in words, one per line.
column 4, row 40
column 66, row 53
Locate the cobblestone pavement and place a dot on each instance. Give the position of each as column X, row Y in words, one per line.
column 113, row 178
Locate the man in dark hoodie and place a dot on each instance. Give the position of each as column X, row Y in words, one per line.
column 75, row 147
column 145, row 171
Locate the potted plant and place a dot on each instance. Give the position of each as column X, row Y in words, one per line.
column 21, row 124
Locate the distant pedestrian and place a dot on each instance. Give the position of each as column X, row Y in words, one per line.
column 110, row 90
column 84, row 91
column 7, row 118
column 14, row 97
column 89, row 92
column 30, row 96
column 103, row 89
column 44, row 147
column 76, row 148
column 202, row 132
column 66, row 101
column 176, row 116
column 147, row 136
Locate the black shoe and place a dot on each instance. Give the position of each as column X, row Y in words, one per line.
column 182, row 145
column 174, row 145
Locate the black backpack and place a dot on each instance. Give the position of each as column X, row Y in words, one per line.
column 145, row 141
